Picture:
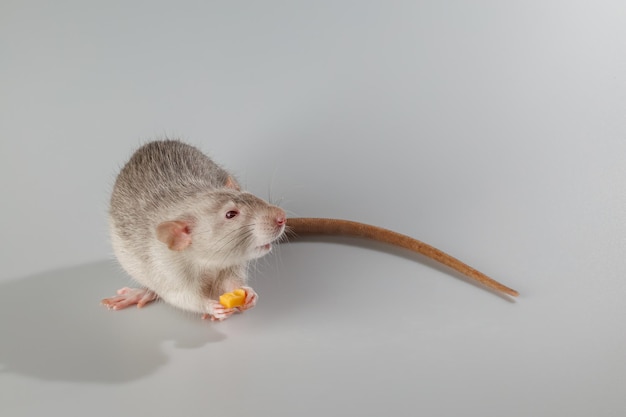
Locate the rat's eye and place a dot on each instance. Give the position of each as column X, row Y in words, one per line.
column 231, row 214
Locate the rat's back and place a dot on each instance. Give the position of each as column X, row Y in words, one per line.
column 160, row 172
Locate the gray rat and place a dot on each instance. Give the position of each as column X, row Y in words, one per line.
column 182, row 227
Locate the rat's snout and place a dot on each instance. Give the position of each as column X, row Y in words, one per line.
column 279, row 217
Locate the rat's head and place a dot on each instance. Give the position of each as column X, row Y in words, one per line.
column 223, row 227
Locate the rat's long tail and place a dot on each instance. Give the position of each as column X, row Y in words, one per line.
column 318, row 226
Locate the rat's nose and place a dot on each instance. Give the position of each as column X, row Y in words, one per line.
column 279, row 216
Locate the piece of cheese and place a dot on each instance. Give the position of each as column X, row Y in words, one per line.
column 233, row 299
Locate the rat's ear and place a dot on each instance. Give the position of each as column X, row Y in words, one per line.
column 232, row 183
column 175, row 234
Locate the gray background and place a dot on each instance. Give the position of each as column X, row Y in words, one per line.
column 492, row 130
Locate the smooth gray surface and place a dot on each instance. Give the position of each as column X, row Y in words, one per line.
column 492, row 130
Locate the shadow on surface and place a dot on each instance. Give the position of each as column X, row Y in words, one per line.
column 54, row 328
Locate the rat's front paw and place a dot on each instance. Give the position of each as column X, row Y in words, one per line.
column 218, row 312
column 251, row 299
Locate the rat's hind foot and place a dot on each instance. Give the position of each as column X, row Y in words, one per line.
column 129, row 296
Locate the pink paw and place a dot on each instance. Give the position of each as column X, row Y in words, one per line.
column 251, row 299
column 129, row 296
column 217, row 312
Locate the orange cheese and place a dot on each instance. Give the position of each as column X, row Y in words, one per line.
column 233, row 299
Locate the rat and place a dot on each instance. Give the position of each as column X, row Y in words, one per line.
column 182, row 227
